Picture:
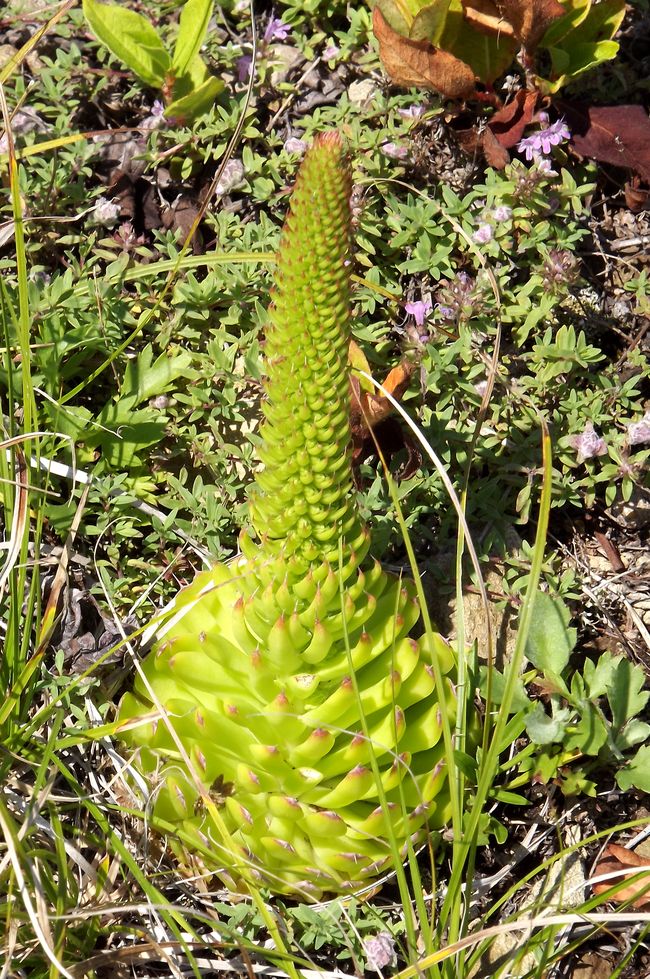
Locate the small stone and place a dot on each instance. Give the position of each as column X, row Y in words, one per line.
column 362, row 93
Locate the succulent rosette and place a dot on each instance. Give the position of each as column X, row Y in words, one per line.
column 288, row 676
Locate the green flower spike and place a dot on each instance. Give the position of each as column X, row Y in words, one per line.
column 288, row 674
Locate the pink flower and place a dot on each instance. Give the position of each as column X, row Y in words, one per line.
column 542, row 141
column 413, row 112
column 588, row 444
column 394, row 151
column 331, row 52
column 502, row 213
column 638, row 433
column 483, row 234
column 294, row 145
column 419, row 310
column 380, row 951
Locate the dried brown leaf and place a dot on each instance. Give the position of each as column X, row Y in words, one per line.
column 530, row 19
column 637, row 197
column 509, row 123
column 495, row 153
column 616, row 134
column 418, row 63
column 485, row 17
column 617, row 859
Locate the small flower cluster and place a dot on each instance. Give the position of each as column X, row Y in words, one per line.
column 489, row 222
column 276, row 30
column 459, row 299
column 588, row 444
column 540, row 144
column 638, row 433
column 559, row 269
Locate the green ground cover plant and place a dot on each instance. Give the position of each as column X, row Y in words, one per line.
column 131, row 384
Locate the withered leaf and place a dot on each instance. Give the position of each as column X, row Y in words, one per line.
column 474, row 143
column 530, row 19
column 370, row 420
column 616, row 134
column 637, row 198
column 495, row 152
column 418, row 63
column 485, row 17
column 616, row 859
column 509, row 123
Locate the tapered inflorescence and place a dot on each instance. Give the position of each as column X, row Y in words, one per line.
column 288, row 675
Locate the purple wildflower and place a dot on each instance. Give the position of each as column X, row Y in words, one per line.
column 638, row 433
column 232, row 177
column 483, row 234
column 545, row 166
column 331, row 52
column 276, row 30
column 540, row 143
column 294, row 145
column 502, row 213
column 446, row 312
column 588, row 444
column 413, row 112
column 394, row 151
column 105, row 213
column 243, row 67
column 156, row 118
column 380, row 951
column 419, row 310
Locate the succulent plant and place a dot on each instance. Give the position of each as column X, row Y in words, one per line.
column 288, row 674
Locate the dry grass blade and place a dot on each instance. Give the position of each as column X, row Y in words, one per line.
column 38, row 920
column 61, row 576
column 19, row 518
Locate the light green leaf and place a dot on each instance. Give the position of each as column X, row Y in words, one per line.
column 400, row 14
column 145, row 379
column 588, row 735
column 192, row 30
column 429, row 23
column 130, row 38
column 637, row 773
column 196, row 103
column 550, row 640
column 633, row 733
column 488, row 56
column 196, row 75
column 579, row 10
column 543, row 729
column 626, row 697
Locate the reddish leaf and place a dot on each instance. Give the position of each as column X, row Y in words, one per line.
column 530, row 18
column 617, row 134
column 418, row 63
column 509, row 123
column 617, row 859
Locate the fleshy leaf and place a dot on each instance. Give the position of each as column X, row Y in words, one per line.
column 131, row 38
